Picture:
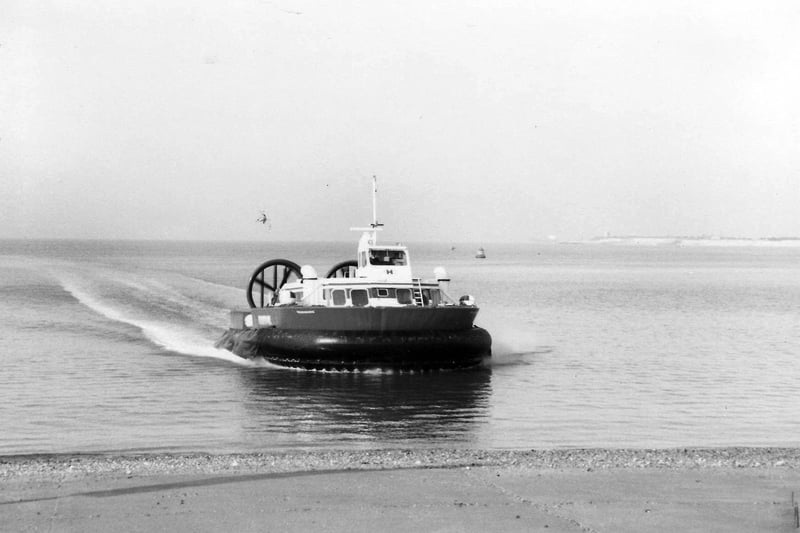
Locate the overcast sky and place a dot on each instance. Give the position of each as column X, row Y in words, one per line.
column 484, row 121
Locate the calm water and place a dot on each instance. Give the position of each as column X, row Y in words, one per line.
column 108, row 346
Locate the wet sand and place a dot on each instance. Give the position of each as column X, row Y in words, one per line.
column 731, row 489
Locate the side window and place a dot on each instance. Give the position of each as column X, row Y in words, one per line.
column 339, row 297
column 359, row 297
column 382, row 292
column 431, row 297
column 404, row 296
column 436, row 297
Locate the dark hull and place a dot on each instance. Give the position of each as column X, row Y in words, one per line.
column 350, row 350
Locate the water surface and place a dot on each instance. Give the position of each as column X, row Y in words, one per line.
column 108, row 346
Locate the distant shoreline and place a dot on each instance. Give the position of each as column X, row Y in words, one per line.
column 771, row 242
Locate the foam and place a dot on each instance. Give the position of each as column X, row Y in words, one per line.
column 171, row 337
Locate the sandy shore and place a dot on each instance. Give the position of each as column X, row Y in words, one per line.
column 731, row 489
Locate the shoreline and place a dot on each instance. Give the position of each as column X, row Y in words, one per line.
column 722, row 242
column 75, row 465
column 588, row 490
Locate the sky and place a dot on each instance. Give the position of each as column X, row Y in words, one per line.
column 483, row 121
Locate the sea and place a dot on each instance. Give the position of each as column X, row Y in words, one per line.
column 108, row 347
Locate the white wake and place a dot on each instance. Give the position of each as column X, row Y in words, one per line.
column 169, row 336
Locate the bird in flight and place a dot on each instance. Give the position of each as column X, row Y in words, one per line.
column 264, row 219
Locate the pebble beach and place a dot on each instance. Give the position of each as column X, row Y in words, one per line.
column 73, row 466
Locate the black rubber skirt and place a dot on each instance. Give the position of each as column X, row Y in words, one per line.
column 361, row 350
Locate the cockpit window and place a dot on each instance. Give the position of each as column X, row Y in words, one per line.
column 387, row 257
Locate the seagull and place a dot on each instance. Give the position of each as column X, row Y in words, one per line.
column 264, row 219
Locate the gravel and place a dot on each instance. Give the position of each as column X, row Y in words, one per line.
column 77, row 466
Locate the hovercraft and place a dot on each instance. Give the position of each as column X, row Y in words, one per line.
column 366, row 313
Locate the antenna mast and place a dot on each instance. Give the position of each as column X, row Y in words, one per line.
column 375, row 223
column 375, row 226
